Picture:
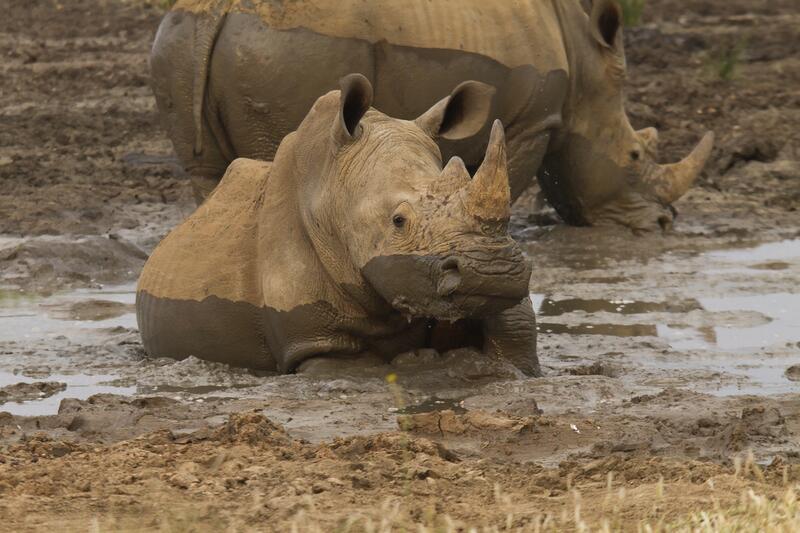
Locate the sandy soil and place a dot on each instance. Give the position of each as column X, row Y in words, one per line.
column 667, row 358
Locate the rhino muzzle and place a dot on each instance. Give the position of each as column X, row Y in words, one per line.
column 456, row 286
column 498, row 277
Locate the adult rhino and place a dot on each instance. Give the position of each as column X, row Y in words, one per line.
column 354, row 243
column 233, row 77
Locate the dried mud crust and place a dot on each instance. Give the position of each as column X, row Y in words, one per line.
column 250, row 474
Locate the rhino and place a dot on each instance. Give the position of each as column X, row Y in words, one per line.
column 354, row 244
column 233, row 77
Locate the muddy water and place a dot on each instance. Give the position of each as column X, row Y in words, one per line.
column 72, row 317
column 30, row 317
column 79, row 386
column 722, row 322
column 737, row 334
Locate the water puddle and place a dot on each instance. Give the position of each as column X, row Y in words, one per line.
column 782, row 327
column 613, row 330
column 751, row 339
column 771, row 252
column 773, row 258
column 435, row 404
column 79, row 386
column 547, row 307
column 195, row 390
column 29, row 317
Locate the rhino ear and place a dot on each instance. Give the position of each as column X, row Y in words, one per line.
column 460, row 115
column 355, row 101
column 606, row 22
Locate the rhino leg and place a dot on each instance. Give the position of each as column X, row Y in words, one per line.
column 178, row 83
column 511, row 335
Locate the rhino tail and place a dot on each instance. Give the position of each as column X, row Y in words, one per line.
column 207, row 28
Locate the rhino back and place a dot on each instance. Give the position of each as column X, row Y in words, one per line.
column 514, row 33
column 267, row 70
column 199, row 292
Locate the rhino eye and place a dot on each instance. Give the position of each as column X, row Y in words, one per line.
column 399, row 221
column 635, row 155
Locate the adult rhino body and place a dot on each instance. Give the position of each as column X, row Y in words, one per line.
column 355, row 243
column 233, row 77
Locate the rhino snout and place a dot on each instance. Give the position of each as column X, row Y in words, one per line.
column 503, row 275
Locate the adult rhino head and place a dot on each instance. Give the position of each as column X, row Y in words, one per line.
column 598, row 170
column 392, row 224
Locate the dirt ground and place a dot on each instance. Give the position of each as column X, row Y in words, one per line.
column 671, row 378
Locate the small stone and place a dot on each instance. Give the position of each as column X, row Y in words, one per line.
column 183, row 480
column 793, row 373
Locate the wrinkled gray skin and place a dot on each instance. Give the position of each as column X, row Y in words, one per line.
column 233, row 77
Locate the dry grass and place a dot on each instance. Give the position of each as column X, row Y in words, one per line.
column 767, row 502
column 755, row 513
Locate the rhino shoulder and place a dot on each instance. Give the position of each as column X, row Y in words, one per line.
column 244, row 181
column 212, row 253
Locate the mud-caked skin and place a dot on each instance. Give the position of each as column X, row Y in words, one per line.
column 233, row 77
column 355, row 243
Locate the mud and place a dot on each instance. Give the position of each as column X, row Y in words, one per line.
column 665, row 357
column 21, row 392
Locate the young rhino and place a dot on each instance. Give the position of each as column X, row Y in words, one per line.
column 354, row 243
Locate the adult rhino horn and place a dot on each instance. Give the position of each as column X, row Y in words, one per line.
column 489, row 194
column 672, row 181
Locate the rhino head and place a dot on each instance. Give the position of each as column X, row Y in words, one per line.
column 600, row 170
column 394, row 227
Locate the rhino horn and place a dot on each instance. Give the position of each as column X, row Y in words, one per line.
column 672, row 181
column 455, row 170
column 489, row 194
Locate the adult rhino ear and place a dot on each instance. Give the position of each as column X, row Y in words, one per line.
column 460, row 115
column 606, row 23
column 355, row 101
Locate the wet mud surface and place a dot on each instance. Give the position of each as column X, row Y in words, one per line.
column 666, row 357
